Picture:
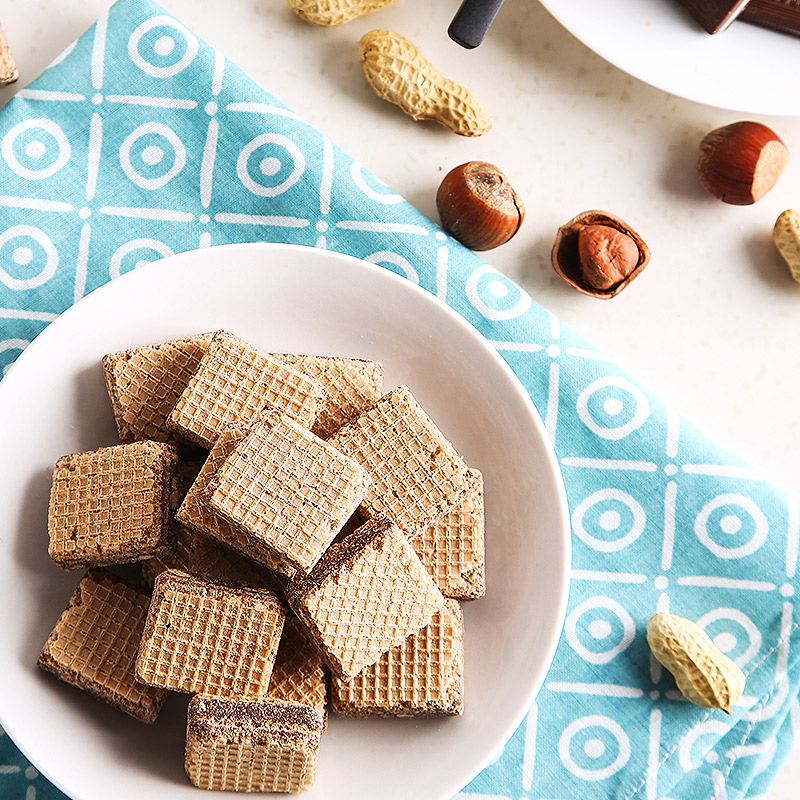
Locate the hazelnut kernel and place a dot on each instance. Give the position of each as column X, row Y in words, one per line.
column 607, row 255
column 478, row 205
column 598, row 254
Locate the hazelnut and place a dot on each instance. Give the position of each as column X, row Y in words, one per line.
column 739, row 163
column 598, row 254
column 478, row 206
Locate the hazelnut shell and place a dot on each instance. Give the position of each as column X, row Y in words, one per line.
column 566, row 260
column 478, row 205
column 739, row 163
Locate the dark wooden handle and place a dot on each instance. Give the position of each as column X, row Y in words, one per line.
column 472, row 21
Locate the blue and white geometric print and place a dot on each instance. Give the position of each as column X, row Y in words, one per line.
column 142, row 141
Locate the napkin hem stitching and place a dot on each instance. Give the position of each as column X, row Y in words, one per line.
column 764, row 698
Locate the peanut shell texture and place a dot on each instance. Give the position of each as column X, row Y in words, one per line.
column 703, row 673
column 399, row 73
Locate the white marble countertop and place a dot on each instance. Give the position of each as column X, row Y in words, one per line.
column 712, row 324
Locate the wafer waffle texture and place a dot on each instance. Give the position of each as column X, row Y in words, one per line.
column 8, row 67
column 210, row 558
column 416, row 474
column 208, row 637
column 178, row 557
column 195, row 512
column 111, row 505
column 423, row 676
column 351, row 385
column 364, row 596
column 288, row 490
column 452, row 549
column 242, row 746
column 181, row 536
column 144, row 384
column 299, row 675
column 94, row 643
column 236, row 383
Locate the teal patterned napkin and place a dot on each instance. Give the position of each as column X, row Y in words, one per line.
column 141, row 141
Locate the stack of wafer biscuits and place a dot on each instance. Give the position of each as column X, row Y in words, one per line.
column 313, row 558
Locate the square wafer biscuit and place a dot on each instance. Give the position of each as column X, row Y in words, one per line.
column 416, row 473
column 144, row 384
column 351, row 384
column 423, row 676
column 452, row 549
column 236, row 382
column 195, row 512
column 246, row 746
column 300, row 675
column 364, row 597
column 208, row 637
column 94, row 643
column 112, row 505
column 288, row 490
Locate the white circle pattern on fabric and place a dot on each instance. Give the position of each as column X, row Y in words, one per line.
column 594, row 748
column 386, row 198
column 36, row 149
column 115, row 267
column 152, row 155
column 689, row 757
column 630, row 399
column 730, row 637
column 608, row 519
column 163, row 45
column 488, row 307
column 46, row 247
column 744, row 510
column 583, row 617
column 388, row 257
column 279, row 140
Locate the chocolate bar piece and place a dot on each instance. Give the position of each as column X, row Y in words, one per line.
column 779, row 15
column 714, row 15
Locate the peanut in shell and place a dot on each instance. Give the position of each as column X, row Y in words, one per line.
column 399, row 73
column 704, row 674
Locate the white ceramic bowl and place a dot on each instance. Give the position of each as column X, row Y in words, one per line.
column 282, row 298
column 660, row 43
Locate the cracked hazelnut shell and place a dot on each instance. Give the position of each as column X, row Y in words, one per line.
column 582, row 271
column 739, row 163
column 478, row 205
